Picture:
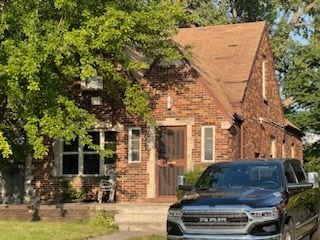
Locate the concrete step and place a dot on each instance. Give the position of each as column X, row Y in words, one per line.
column 148, row 217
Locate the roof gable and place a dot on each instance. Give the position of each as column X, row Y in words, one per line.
column 224, row 55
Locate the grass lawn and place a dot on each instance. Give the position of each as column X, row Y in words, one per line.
column 18, row 230
column 150, row 238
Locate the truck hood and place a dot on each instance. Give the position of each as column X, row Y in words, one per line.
column 253, row 197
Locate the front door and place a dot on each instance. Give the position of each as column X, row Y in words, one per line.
column 171, row 162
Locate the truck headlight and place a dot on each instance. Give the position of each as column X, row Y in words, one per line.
column 269, row 213
column 174, row 214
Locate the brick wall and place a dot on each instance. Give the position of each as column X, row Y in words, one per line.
column 190, row 101
column 264, row 117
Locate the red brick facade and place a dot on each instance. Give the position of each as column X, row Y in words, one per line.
column 248, row 133
column 263, row 116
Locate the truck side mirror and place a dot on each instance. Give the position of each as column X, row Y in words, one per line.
column 313, row 177
column 182, row 182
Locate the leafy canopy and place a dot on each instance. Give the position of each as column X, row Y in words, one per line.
column 46, row 45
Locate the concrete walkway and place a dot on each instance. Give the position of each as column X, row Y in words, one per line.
column 125, row 235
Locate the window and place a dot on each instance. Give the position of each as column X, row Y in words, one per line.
column 78, row 159
column 263, row 79
column 289, row 174
column 284, row 154
column 93, row 83
column 134, row 145
column 293, row 154
column 208, row 143
column 110, row 144
column 297, row 168
column 273, row 147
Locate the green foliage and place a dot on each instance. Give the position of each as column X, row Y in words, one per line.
column 304, row 85
column 102, row 219
column 47, row 45
column 312, row 157
column 69, row 193
column 4, row 146
column 193, row 175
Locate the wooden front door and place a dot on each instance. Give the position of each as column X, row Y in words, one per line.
column 171, row 162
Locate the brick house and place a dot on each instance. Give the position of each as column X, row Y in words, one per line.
column 221, row 104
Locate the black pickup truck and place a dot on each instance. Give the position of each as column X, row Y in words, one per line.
column 247, row 200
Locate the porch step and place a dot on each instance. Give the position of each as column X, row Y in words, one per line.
column 142, row 217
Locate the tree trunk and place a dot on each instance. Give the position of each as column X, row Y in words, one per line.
column 28, row 188
column 234, row 9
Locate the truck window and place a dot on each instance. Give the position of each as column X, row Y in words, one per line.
column 289, row 174
column 299, row 172
column 241, row 175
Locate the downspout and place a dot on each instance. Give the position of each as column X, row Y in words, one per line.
column 239, row 122
column 241, row 141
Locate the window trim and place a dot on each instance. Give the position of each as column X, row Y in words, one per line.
column 81, row 154
column 203, row 144
column 130, row 129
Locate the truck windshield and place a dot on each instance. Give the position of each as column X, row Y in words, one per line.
column 241, row 175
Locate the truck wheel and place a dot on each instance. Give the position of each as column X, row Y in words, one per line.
column 288, row 233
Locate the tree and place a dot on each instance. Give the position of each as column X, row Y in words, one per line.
column 46, row 45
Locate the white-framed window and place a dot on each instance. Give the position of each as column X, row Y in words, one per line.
column 264, row 78
column 79, row 159
column 92, row 83
column 273, row 147
column 134, row 145
column 208, row 143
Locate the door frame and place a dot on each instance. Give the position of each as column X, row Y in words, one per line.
column 151, row 165
column 185, row 140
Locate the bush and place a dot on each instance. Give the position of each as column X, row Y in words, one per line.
column 69, row 193
column 103, row 220
column 192, row 177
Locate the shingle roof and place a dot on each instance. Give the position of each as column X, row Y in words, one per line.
column 224, row 56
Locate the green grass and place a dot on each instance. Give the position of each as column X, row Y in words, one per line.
column 18, row 230
column 149, row 238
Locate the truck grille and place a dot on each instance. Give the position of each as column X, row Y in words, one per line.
column 216, row 220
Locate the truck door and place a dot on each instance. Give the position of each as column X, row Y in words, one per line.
column 294, row 206
column 306, row 199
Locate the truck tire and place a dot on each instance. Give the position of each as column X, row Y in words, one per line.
column 288, row 232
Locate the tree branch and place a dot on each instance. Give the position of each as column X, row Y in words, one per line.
column 296, row 16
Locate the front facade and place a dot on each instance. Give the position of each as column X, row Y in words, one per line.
column 220, row 105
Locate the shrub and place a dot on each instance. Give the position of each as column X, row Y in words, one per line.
column 193, row 175
column 191, row 178
column 102, row 219
column 69, row 193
